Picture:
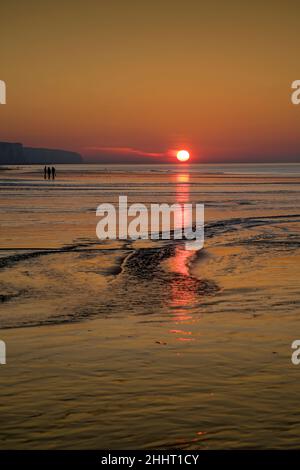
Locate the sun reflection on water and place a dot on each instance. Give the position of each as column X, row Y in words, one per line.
column 183, row 292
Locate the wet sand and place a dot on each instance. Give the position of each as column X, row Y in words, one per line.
column 144, row 344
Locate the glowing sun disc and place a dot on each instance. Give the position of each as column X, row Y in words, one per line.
column 183, row 155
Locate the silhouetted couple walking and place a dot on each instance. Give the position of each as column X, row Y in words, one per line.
column 48, row 172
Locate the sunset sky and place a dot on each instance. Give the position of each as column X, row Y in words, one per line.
column 118, row 80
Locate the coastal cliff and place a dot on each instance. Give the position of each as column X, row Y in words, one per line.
column 16, row 154
column 11, row 153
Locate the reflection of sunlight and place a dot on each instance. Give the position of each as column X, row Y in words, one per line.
column 182, row 188
column 183, row 178
column 182, row 285
column 179, row 262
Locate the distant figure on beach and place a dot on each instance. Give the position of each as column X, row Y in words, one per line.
column 45, row 172
column 49, row 172
column 53, row 172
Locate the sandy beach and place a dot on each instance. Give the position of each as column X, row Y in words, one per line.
column 142, row 344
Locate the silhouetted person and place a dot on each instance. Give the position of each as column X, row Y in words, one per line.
column 53, row 172
column 49, row 172
column 45, row 172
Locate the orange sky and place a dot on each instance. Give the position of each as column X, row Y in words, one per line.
column 114, row 79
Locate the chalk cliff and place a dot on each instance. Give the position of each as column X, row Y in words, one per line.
column 16, row 154
column 11, row 153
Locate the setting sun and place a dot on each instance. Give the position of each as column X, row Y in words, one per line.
column 183, row 155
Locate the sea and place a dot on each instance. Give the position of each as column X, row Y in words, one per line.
column 143, row 344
